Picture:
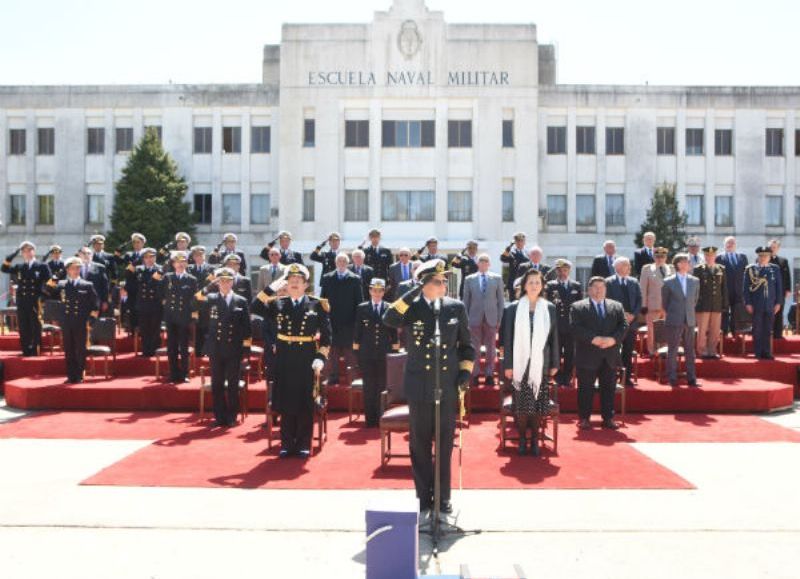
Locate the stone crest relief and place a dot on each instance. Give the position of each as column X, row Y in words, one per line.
column 409, row 40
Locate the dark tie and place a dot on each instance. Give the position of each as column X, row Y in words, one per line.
column 274, row 270
column 377, row 311
column 600, row 311
column 610, row 263
column 405, row 272
column 483, row 282
column 662, row 269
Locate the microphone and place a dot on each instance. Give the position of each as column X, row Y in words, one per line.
column 437, row 304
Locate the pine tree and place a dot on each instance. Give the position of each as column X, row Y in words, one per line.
column 665, row 219
column 150, row 197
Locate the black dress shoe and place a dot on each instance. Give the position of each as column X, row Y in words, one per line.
column 610, row 425
column 694, row 383
column 629, row 383
column 521, row 450
column 585, row 424
column 424, row 506
column 446, row 507
column 535, row 449
column 283, row 453
column 304, row 453
column 767, row 357
column 489, row 380
column 673, row 383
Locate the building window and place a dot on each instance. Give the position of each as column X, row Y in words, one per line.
column 508, row 206
column 459, row 205
column 665, row 141
column 260, row 139
column 695, row 210
column 615, row 141
column 356, row 205
column 774, row 216
column 774, row 142
column 309, row 133
column 408, row 134
column 408, row 206
column 356, row 134
column 16, row 142
column 17, row 209
column 615, row 210
column 556, row 140
column 723, row 211
column 95, row 209
column 585, row 210
column 45, row 210
column 459, row 134
column 202, row 140
column 46, row 141
column 202, row 208
column 156, row 128
column 556, row 209
column 259, row 208
column 508, row 134
column 96, row 141
column 308, row 204
column 797, row 212
column 231, row 209
column 723, row 142
column 585, row 140
column 694, row 142
column 231, row 139
column 123, row 140
column 797, row 143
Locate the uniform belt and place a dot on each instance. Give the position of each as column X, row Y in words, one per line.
column 285, row 338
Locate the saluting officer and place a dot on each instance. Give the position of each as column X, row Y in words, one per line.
column 372, row 340
column 81, row 307
column 228, row 342
column 430, row 251
column 202, row 271
column 241, row 283
column 326, row 258
column 165, row 254
column 29, row 277
column 298, row 319
column 763, row 292
column 147, row 278
column 288, row 256
column 229, row 241
column 467, row 262
column 562, row 292
column 177, row 290
column 514, row 255
column 419, row 312
column 378, row 257
column 129, row 262
column 710, row 303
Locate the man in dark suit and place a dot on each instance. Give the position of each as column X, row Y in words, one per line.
column 626, row 290
column 29, row 278
column 535, row 256
column 418, row 311
column 363, row 271
column 514, row 256
column 343, row 291
column 177, row 293
column 467, row 262
column 229, row 241
column 97, row 244
column 562, row 292
column 679, row 296
column 376, row 256
column 126, row 266
column 786, row 284
column 399, row 272
column 326, row 257
column 603, row 264
column 288, row 255
column 735, row 264
column 95, row 272
column 644, row 256
column 599, row 326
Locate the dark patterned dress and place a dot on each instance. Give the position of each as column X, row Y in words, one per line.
column 524, row 402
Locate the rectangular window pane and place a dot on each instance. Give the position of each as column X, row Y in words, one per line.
column 797, row 143
column 356, row 205
column 95, row 209
column 309, row 133
column 16, row 142
column 96, row 141
column 202, row 140
column 428, row 134
column 615, row 141
column 414, row 134
column 508, row 206
column 45, row 209
column 401, row 133
column 556, row 140
column 459, row 205
column 723, row 142
column 356, row 133
column 585, row 213
column 797, row 211
column 231, row 139
column 695, row 210
column 694, row 142
column 388, row 134
column 774, row 211
column 45, row 141
column 260, row 139
column 202, row 208
column 585, row 140
column 308, row 205
column 615, row 210
column 508, row 134
column 408, row 206
column 774, row 142
column 123, row 140
column 723, row 211
column 17, row 209
column 665, row 140
column 459, row 134
column 556, row 209
column 259, row 208
column 231, row 208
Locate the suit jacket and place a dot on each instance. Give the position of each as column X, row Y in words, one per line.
column 786, row 275
column 395, row 279
column 562, row 298
column 266, row 277
column 486, row 305
column 107, row 261
column 29, row 280
column 229, row 326
column 586, row 325
column 679, row 308
column 379, row 259
column 551, row 352
column 57, row 268
column 367, row 273
column 344, row 295
column 615, row 292
column 601, row 267
column 651, row 280
column 640, row 259
column 148, row 295
column 96, row 274
column 734, row 274
column 201, row 273
column 543, row 267
column 241, row 286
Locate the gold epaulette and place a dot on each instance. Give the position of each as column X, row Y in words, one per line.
column 264, row 298
column 400, row 305
column 200, row 296
column 466, row 365
column 326, row 305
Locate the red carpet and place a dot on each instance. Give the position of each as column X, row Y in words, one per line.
column 202, row 457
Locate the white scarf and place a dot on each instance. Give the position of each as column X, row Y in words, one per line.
column 529, row 348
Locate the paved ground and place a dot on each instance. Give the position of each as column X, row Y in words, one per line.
column 742, row 521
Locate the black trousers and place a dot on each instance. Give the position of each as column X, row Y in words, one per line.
column 606, row 376
column 373, row 372
column 296, row 430
column 225, row 376
column 422, row 416
column 628, row 342
column 178, row 350
column 150, row 332
column 30, row 327
column 566, row 342
column 200, row 338
column 75, row 350
column 777, row 325
column 728, row 310
column 763, row 321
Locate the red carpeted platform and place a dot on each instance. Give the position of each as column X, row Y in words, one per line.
column 351, row 459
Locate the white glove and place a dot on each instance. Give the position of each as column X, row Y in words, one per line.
column 278, row 285
column 317, row 365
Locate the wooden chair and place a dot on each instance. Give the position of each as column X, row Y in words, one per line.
column 320, row 419
column 8, row 319
column 742, row 326
column 355, row 398
column 162, row 352
column 660, row 357
column 394, row 408
column 52, row 319
column 257, row 347
column 103, row 342
column 549, row 420
column 244, row 384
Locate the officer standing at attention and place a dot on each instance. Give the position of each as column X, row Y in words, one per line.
column 178, row 289
column 202, row 271
column 763, row 295
column 562, row 292
column 129, row 262
column 712, row 300
column 417, row 312
column 147, row 278
column 29, row 277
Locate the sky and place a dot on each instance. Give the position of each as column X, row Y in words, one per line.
column 680, row 42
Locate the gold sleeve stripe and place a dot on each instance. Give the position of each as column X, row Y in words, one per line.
column 400, row 306
column 466, row 365
column 200, row 297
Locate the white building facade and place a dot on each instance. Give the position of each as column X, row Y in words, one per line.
column 418, row 127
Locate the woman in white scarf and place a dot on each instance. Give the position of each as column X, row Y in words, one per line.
column 529, row 337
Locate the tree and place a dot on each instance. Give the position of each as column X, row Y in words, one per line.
column 150, row 197
column 665, row 219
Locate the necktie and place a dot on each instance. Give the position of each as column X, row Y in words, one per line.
column 610, row 262
column 600, row 312
column 624, row 283
column 377, row 310
column 662, row 269
column 483, row 282
column 83, row 271
column 274, row 270
column 733, row 259
column 405, row 272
